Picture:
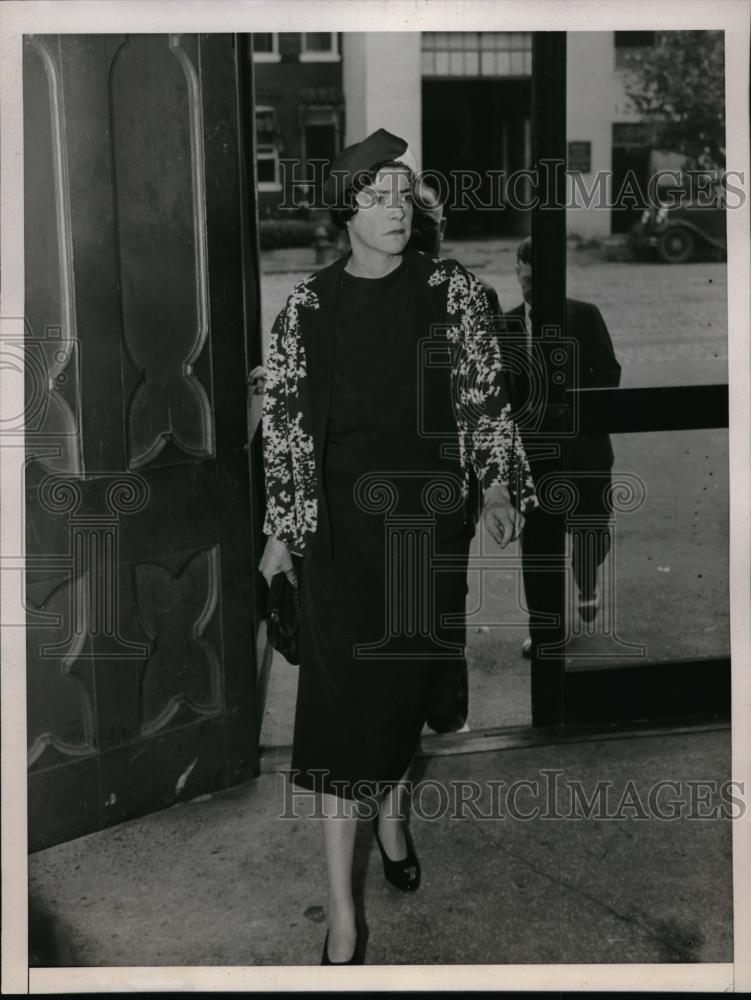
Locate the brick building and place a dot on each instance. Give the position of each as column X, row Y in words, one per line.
column 299, row 111
column 463, row 101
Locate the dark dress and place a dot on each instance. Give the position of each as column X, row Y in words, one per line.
column 372, row 640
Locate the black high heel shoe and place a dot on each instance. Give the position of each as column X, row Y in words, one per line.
column 357, row 956
column 404, row 874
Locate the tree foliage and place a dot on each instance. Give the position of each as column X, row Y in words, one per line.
column 679, row 86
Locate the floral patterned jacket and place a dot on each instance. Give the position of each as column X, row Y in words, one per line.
column 298, row 368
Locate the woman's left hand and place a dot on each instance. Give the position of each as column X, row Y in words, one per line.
column 502, row 519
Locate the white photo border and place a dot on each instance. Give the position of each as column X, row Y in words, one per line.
column 141, row 16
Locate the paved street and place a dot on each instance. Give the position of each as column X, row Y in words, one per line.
column 673, row 317
column 666, row 581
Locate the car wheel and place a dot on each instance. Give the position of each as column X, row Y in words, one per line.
column 675, row 245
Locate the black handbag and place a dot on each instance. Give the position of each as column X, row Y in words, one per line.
column 283, row 617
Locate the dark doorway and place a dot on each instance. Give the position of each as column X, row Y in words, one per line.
column 630, row 180
column 321, row 145
column 480, row 128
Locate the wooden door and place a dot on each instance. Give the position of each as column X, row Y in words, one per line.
column 141, row 300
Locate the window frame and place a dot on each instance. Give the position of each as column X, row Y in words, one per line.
column 268, row 57
column 490, row 47
column 332, row 54
column 620, row 65
column 269, row 153
column 267, row 150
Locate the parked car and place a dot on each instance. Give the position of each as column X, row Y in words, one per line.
column 675, row 234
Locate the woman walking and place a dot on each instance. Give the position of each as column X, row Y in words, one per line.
column 385, row 418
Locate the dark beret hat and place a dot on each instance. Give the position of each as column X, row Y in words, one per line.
column 379, row 147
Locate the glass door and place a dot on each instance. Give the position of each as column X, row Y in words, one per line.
column 634, row 537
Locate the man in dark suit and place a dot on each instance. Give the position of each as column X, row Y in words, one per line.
column 587, row 459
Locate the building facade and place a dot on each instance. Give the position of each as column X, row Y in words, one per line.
column 463, row 101
column 299, row 115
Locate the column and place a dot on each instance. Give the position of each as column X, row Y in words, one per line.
column 382, row 82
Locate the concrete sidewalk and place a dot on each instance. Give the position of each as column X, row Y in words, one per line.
column 223, row 881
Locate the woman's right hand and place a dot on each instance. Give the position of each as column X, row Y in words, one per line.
column 276, row 559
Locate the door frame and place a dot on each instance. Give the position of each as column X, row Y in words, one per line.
column 602, row 695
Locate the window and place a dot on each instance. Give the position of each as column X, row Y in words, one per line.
column 268, row 170
column 267, row 149
column 477, row 53
column 631, row 42
column 634, row 39
column 319, row 46
column 320, row 143
column 266, row 47
column 266, row 128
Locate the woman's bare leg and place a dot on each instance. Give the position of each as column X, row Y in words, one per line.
column 339, row 828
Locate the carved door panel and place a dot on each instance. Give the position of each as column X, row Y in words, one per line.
column 140, row 522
